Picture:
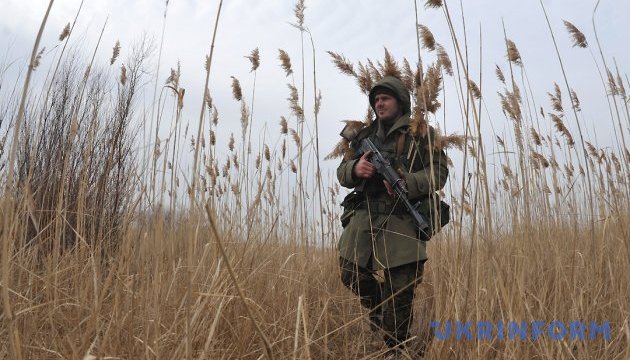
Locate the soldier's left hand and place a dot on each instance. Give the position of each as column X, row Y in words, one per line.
column 388, row 186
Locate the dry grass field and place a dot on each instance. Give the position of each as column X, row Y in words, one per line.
column 110, row 252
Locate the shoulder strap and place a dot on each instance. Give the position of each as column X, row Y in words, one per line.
column 400, row 143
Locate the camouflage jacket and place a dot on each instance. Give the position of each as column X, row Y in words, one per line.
column 390, row 238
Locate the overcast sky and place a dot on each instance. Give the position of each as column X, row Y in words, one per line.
column 358, row 29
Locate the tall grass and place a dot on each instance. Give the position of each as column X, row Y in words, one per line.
column 108, row 254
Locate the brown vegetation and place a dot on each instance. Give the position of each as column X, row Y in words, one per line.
column 102, row 258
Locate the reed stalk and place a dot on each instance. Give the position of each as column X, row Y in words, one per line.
column 8, row 223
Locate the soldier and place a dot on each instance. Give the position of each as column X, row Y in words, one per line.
column 379, row 233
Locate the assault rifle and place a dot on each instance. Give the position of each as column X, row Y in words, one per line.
column 384, row 167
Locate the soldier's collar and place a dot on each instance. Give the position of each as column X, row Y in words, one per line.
column 401, row 123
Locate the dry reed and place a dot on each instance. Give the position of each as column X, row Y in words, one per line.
column 576, row 35
column 131, row 278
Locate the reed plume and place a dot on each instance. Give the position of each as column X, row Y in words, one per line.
column 444, row 60
column 65, row 32
column 474, row 89
column 342, row 64
column 235, row 161
column 452, row 141
column 244, row 119
column 577, row 36
column 499, row 73
column 284, row 148
column 427, row 96
column 369, row 116
column 616, row 162
column 592, row 150
column 180, row 98
column 284, row 126
column 511, row 105
column 318, row 102
column 294, row 102
column 621, row 87
column 236, row 89
column 428, row 40
column 559, row 124
column 285, row 62
column 115, row 53
column 433, row 4
column 236, row 188
column 298, row 11
column 254, row 58
column 374, row 72
column 123, row 75
column 539, row 159
column 513, row 54
column 575, row 100
column 408, row 76
column 418, row 126
column 267, row 153
column 173, row 78
column 296, row 137
column 343, row 146
column 569, row 170
column 472, row 150
column 231, row 142
column 390, row 66
column 208, row 100
column 215, row 115
column 500, row 141
column 535, row 136
column 612, row 85
column 38, row 58
column 364, row 78
column 340, row 149
column 556, row 98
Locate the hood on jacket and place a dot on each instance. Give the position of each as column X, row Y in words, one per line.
column 394, row 85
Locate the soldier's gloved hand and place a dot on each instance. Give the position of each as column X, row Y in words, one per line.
column 364, row 169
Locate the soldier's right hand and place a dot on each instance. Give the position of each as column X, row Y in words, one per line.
column 364, row 169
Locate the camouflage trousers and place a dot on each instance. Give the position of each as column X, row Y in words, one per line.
column 392, row 298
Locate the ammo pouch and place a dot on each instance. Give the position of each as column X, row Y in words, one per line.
column 349, row 204
column 436, row 212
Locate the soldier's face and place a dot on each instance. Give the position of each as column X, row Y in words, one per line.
column 386, row 107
